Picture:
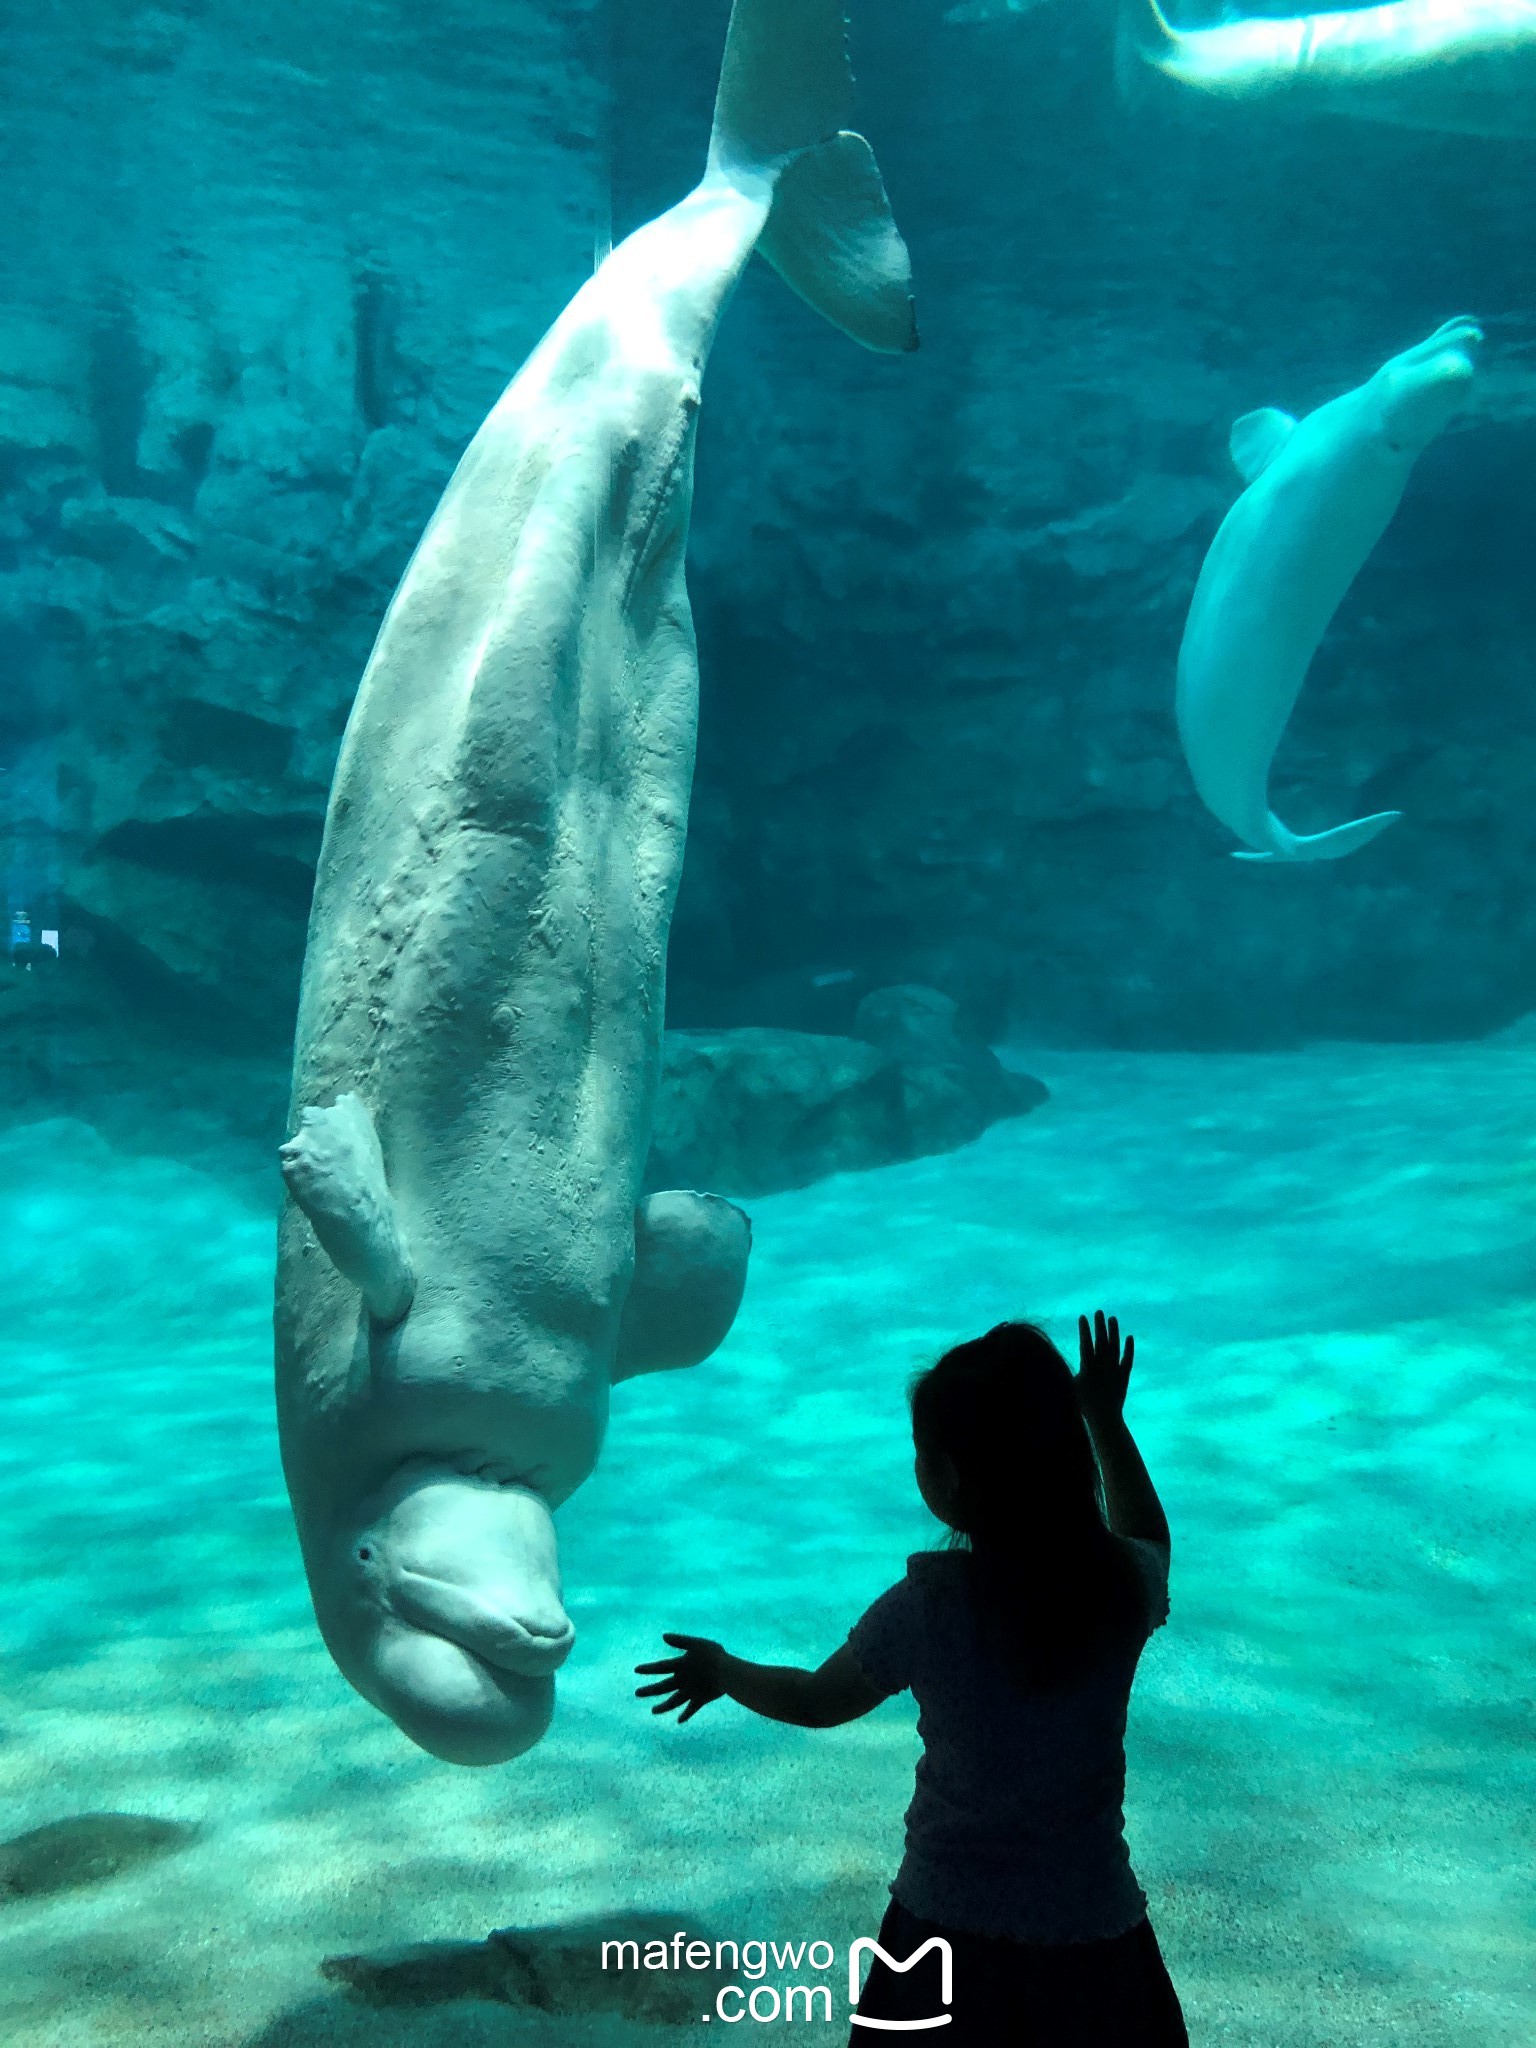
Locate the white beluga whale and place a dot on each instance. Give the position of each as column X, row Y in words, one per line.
column 1464, row 67
column 465, row 1265
column 1320, row 494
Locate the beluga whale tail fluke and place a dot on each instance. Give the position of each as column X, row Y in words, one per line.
column 1320, row 493
column 466, row 1264
column 786, row 94
column 1287, row 845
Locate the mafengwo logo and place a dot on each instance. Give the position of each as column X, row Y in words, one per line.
column 767, row 2003
column 864, row 1945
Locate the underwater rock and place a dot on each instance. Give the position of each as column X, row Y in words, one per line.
column 910, row 1021
column 194, row 932
column 130, row 532
column 952, row 1086
column 757, row 1110
column 557, row 1970
column 1117, row 539
column 920, row 1026
column 421, row 1973
column 42, row 375
column 87, row 1849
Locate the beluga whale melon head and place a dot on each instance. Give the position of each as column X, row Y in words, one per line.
column 466, row 1263
column 1415, row 396
column 1320, row 494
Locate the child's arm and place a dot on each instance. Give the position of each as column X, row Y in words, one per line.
column 836, row 1692
column 1129, row 1495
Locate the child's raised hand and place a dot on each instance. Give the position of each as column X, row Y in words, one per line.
column 1105, row 1370
column 693, row 1679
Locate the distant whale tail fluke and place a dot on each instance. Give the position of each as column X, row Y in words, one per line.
column 786, row 92
column 1321, row 845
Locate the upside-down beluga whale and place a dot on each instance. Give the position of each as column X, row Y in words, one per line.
column 1320, row 494
column 465, row 1265
column 1463, row 67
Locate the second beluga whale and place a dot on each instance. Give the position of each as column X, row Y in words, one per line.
column 466, row 1264
column 1460, row 67
column 1320, row 494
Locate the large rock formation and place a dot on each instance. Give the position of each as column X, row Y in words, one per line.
column 756, row 1110
column 269, row 271
column 265, row 272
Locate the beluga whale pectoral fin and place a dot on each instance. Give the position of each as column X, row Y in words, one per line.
column 334, row 1169
column 690, row 1273
column 1331, row 845
column 1257, row 438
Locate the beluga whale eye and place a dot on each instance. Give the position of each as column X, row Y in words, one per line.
column 365, row 1554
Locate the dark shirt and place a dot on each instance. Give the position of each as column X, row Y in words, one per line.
column 1016, row 1825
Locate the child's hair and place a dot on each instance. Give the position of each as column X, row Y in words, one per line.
column 1052, row 1585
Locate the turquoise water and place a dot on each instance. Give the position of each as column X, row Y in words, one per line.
column 264, row 271
column 1329, row 1260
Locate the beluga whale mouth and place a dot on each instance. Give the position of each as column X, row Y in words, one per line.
column 1320, row 493
column 487, row 1628
column 467, row 1258
column 452, row 1703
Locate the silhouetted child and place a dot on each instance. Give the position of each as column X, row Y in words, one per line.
column 1020, row 1642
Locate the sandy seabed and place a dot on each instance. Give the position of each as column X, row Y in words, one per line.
column 1329, row 1260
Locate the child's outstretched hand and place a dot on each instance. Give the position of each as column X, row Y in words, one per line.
column 693, row 1679
column 1105, row 1370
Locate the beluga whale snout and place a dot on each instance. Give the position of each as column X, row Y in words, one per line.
column 1321, row 492
column 451, row 1612
column 466, row 1264
column 1421, row 391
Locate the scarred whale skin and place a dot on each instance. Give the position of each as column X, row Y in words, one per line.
column 1462, row 67
column 465, row 1264
column 1323, row 490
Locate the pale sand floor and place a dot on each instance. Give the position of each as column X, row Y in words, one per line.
column 1329, row 1260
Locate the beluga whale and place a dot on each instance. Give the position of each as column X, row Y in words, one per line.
column 1462, row 67
column 1321, row 491
column 465, row 1263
